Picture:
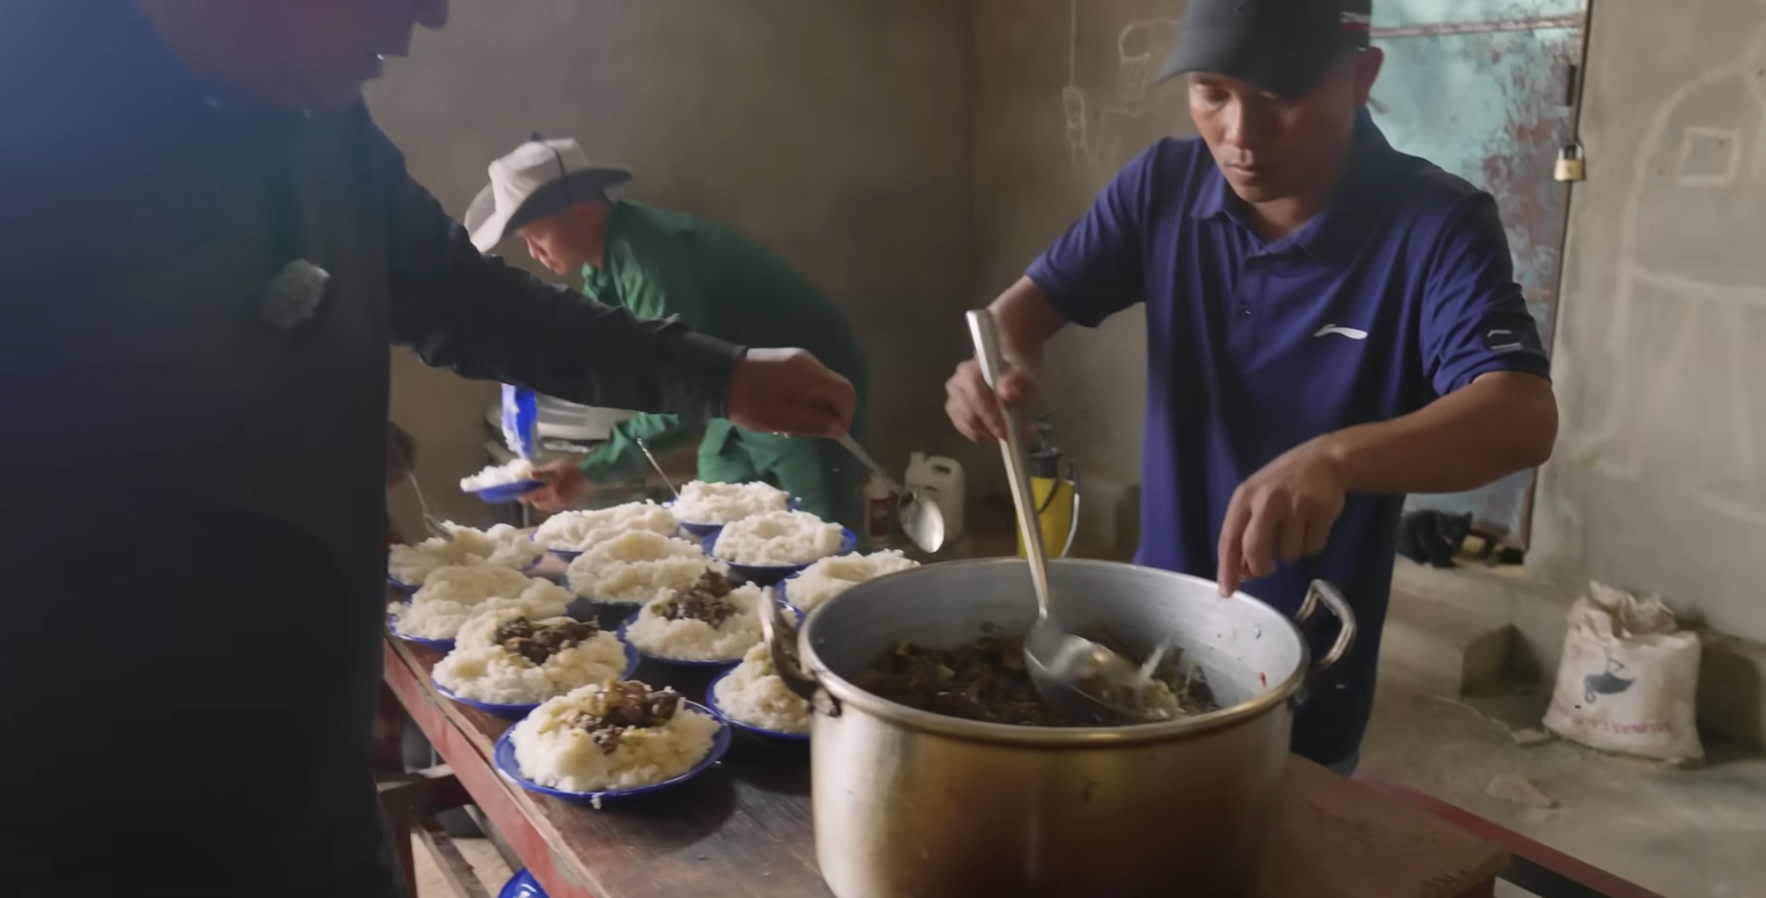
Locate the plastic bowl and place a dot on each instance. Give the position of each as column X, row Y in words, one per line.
column 411, row 588
column 711, row 702
column 516, row 712
column 772, row 575
column 702, row 531
column 507, row 492
column 664, row 659
column 503, row 758
column 783, row 593
column 522, row 885
column 440, row 645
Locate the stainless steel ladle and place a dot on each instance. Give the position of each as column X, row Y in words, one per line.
column 921, row 518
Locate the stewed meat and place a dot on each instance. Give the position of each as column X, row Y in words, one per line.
column 708, row 601
column 537, row 642
column 626, row 704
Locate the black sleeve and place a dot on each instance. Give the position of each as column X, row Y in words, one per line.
column 475, row 316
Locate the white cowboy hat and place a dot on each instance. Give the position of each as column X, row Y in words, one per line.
column 541, row 178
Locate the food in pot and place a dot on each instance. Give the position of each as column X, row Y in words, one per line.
column 832, row 576
column 707, row 621
column 721, row 503
column 754, row 694
column 508, row 658
column 637, row 567
column 618, row 735
column 986, row 681
column 497, row 475
column 500, row 546
column 578, row 531
column 451, row 595
column 778, row 539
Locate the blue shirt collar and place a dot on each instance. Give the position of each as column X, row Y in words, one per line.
column 1331, row 230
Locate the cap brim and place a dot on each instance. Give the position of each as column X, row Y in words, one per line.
column 1283, row 71
column 551, row 199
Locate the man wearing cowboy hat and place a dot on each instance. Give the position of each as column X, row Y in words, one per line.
column 210, row 249
column 657, row 263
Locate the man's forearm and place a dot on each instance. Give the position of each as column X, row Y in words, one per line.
column 1501, row 423
column 1026, row 321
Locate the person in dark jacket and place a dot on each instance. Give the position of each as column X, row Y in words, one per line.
column 209, row 250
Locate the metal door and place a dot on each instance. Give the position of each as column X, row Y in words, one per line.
column 1486, row 89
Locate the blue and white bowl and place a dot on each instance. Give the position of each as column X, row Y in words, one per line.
column 701, row 531
column 507, row 492
column 503, row 758
column 440, row 645
column 664, row 659
column 772, row 575
column 516, row 712
column 711, row 702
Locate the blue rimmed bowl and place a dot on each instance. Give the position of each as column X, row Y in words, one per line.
column 664, row 659
column 411, row 588
column 522, row 885
column 503, row 758
column 507, row 492
column 717, row 709
column 772, row 575
column 701, row 531
column 516, row 712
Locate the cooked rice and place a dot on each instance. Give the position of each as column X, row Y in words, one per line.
column 721, row 503
column 500, row 546
column 778, row 539
column 637, row 566
column 552, row 752
column 696, row 640
column 481, row 669
column 497, row 475
column 453, row 594
column 577, row 531
column 754, row 694
column 831, row 576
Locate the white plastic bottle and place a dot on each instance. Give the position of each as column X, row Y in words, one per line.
column 878, row 507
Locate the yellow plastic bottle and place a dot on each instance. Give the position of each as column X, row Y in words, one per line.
column 1057, row 497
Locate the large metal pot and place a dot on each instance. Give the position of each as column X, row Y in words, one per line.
column 909, row 803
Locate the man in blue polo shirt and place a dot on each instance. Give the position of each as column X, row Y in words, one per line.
column 1331, row 324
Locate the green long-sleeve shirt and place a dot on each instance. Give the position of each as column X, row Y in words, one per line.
column 722, row 284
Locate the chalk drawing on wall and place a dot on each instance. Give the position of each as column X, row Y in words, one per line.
column 1682, row 359
column 1094, row 141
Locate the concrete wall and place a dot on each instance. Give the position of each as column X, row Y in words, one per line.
column 838, row 134
column 1063, row 101
column 1659, row 483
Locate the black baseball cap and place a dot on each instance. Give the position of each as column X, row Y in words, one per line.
column 1282, row 46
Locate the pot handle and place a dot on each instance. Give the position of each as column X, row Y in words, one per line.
column 780, row 636
column 1327, row 594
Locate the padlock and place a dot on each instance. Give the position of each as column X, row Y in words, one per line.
column 1571, row 166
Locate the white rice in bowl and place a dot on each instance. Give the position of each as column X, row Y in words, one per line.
column 681, row 625
column 778, row 539
column 500, row 546
column 494, row 658
column 721, row 503
column 570, row 743
column 453, row 594
column 633, row 568
column 577, row 531
column 831, row 576
column 754, row 694
column 497, row 475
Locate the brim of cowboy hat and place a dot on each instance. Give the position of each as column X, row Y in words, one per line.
column 488, row 228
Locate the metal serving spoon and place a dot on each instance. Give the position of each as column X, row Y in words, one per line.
column 921, row 518
column 1072, row 673
column 645, row 448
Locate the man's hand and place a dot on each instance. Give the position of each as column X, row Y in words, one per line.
column 1282, row 512
column 565, row 486
column 971, row 404
column 790, row 392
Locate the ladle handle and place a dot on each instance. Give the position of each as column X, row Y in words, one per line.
column 851, row 445
column 987, row 352
column 657, row 466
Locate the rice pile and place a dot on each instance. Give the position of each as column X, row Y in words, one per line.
column 577, row 531
column 497, row 475
column 482, row 668
column 777, row 539
column 453, row 594
column 754, row 695
column 553, row 750
column 637, row 566
column 500, row 546
column 721, row 503
column 832, row 576
column 688, row 639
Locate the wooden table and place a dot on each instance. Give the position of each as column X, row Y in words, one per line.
column 744, row 829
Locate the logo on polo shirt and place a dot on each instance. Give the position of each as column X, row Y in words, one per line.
column 1353, row 333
